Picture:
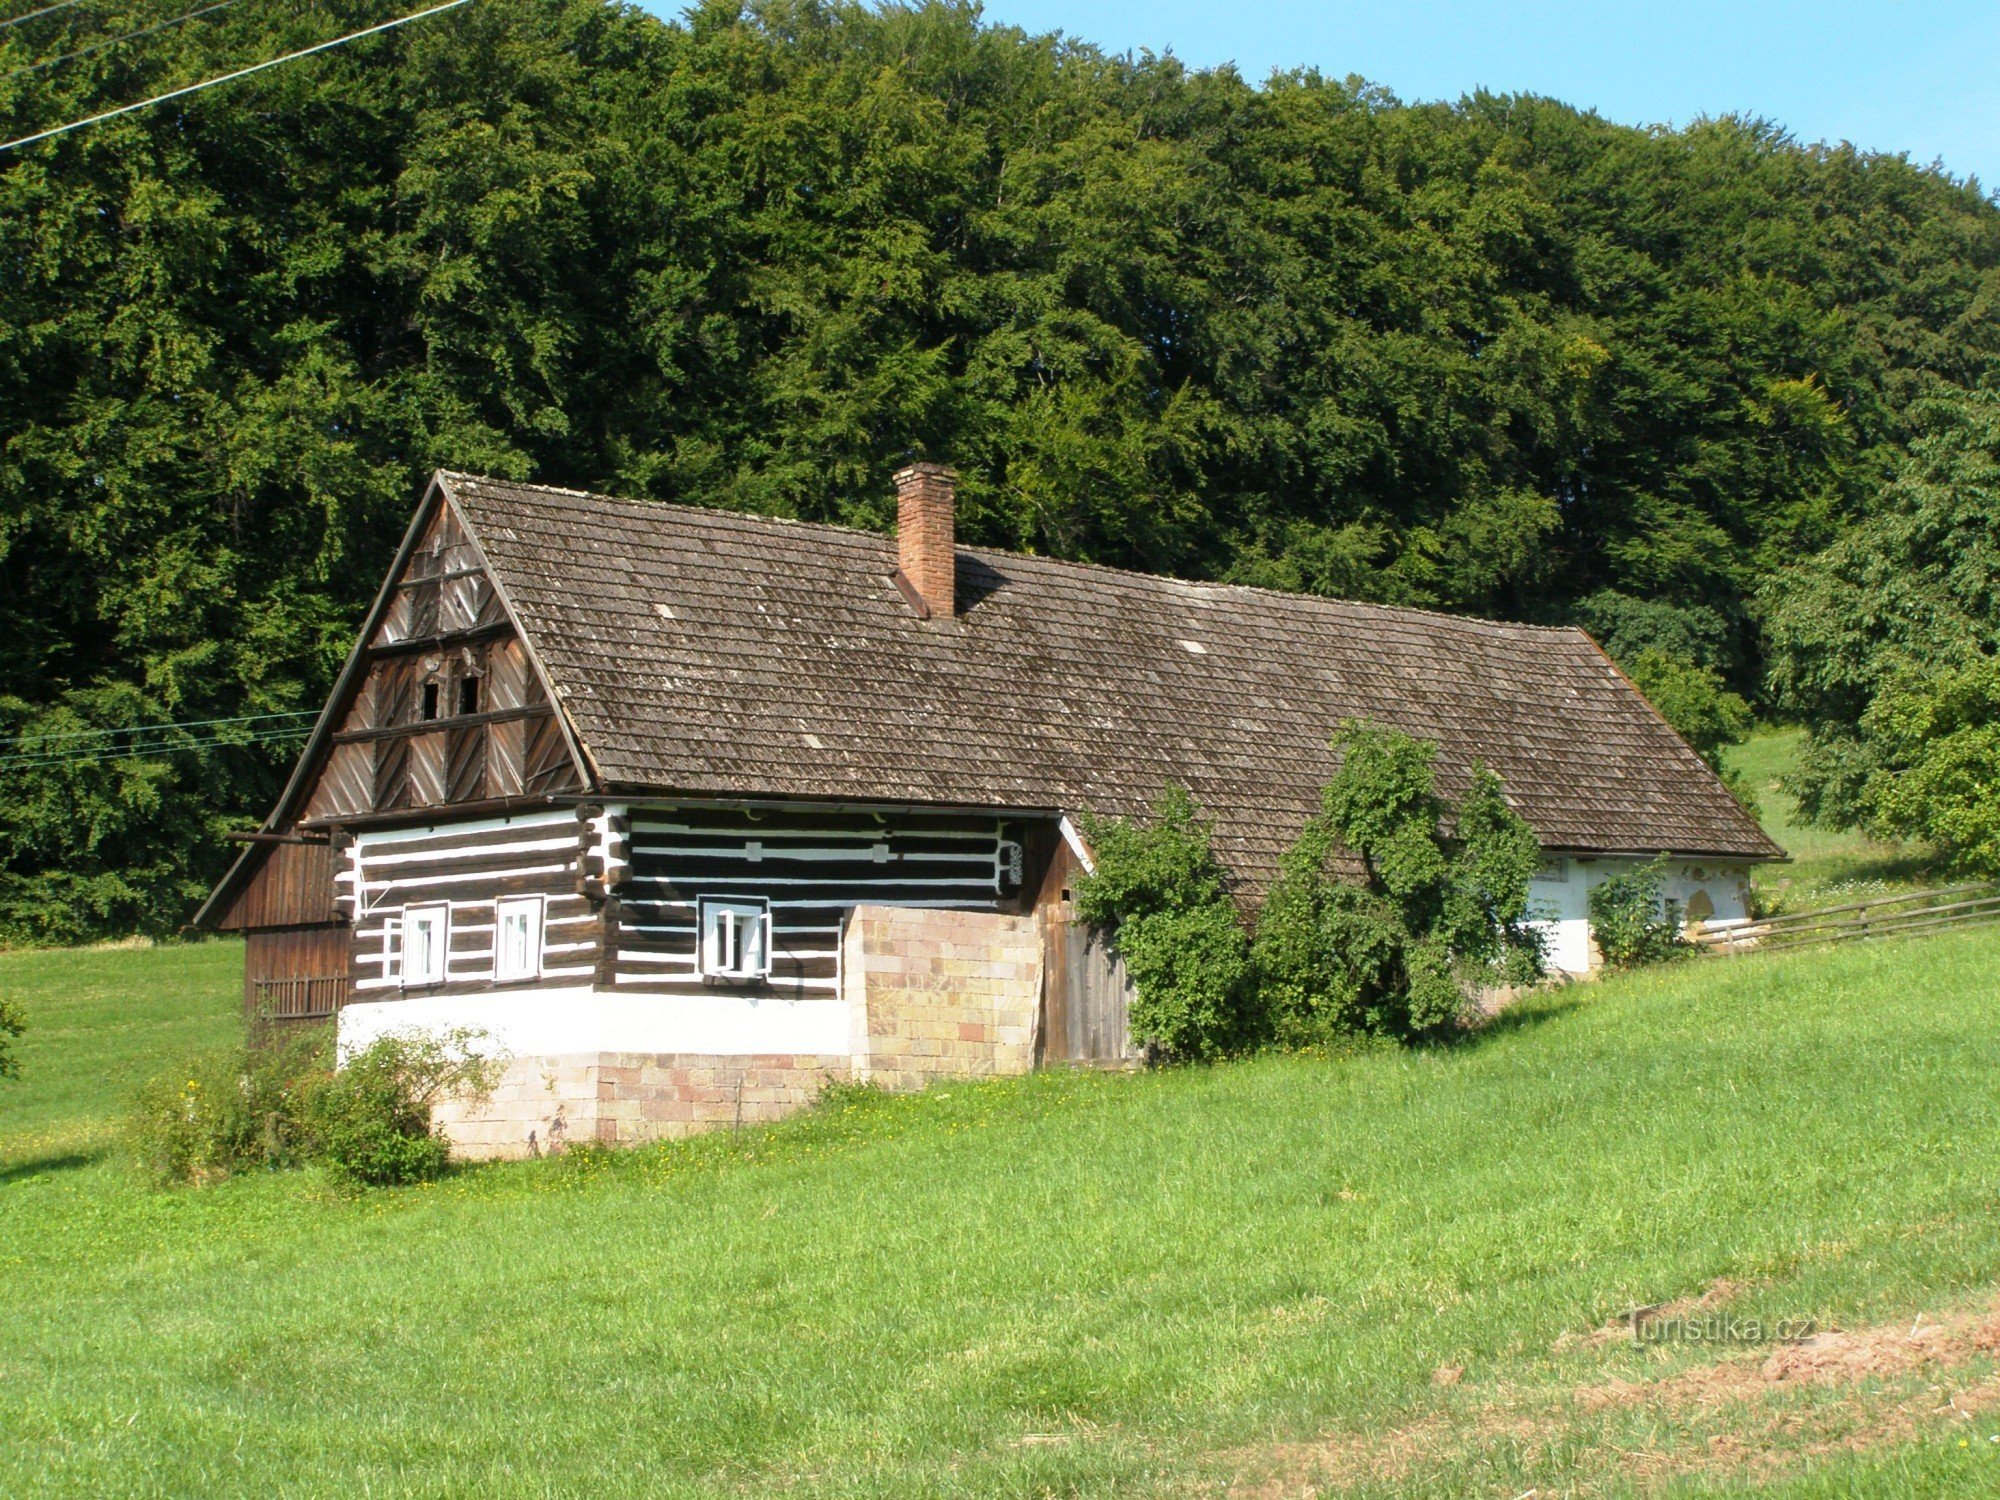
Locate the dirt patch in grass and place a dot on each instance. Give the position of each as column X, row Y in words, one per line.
column 1718, row 1293
column 1833, row 1357
column 1757, row 1414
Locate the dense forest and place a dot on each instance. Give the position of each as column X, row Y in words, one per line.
column 1500, row 356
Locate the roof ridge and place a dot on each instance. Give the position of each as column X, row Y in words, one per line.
column 719, row 513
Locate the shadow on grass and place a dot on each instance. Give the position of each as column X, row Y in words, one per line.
column 1525, row 1014
column 37, row 1166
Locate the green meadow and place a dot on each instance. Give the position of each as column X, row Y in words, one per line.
column 1386, row 1273
column 1828, row 866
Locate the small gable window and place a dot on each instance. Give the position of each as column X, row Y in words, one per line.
column 430, row 706
column 467, row 683
column 735, row 938
column 517, row 938
column 426, row 940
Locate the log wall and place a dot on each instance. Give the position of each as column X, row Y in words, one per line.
column 467, row 867
column 812, row 868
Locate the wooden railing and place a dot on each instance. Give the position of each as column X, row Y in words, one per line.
column 1885, row 916
column 301, row 999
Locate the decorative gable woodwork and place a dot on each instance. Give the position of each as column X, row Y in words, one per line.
column 448, row 710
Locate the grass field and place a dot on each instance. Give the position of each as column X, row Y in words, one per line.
column 1382, row 1274
column 1828, row 866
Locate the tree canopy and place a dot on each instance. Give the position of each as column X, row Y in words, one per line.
column 1887, row 646
column 1498, row 356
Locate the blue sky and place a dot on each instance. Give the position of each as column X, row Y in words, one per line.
column 1919, row 78
column 1922, row 78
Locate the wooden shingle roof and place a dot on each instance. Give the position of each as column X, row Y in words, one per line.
column 705, row 653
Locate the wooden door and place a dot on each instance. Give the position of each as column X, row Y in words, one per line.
column 1086, row 993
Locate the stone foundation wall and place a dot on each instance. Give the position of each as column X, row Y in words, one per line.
column 929, row 994
column 542, row 1104
column 940, row 994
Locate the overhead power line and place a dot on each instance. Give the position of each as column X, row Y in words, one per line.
column 151, row 750
column 130, row 36
column 34, row 741
column 46, row 10
column 195, row 88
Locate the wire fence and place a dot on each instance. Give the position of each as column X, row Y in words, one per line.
column 1933, row 910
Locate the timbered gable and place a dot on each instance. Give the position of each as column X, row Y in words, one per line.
column 445, row 707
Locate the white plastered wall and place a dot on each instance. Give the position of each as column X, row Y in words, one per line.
column 556, row 1021
column 1560, row 897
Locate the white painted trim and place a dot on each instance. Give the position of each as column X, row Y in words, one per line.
column 557, row 1020
column 1076, row 845
column 971, row 883
column 642, row 823
column 562, row 816
column 404, row 885
column 470, row 851
column 537, row 907
column 700, row 985
column 410, row 914
column 613, row 849
column 926, row 905
column 845, row 856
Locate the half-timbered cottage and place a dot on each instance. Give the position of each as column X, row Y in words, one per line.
column 689, row 810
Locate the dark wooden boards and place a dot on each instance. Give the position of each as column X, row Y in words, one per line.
column 449, row 709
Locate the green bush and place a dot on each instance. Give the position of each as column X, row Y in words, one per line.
column 1382, row 922
column 282, row 1103
column 231, row 1111
column 371, row 1118
column 1883, row 646
column 1934, row 739
column 1157, row 889
column 1633, row 921
column 11, row 1026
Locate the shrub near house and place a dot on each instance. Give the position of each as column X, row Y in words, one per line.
column 1398, row 946
column 1379, row 923
column 283, row 1104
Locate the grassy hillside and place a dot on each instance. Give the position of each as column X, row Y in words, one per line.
column 100, row 1020
column 1828, row 865
column 1385, row 1272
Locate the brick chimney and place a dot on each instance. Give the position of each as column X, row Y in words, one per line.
column 927, row 571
